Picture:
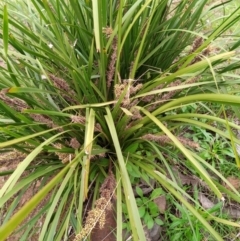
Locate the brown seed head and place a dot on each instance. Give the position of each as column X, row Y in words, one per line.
column 74, row 143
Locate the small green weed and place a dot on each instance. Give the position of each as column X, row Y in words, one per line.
column 148, row 209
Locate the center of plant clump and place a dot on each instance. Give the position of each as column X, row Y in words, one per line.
column 119, row 120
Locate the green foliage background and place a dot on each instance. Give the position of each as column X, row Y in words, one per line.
column 93, row 87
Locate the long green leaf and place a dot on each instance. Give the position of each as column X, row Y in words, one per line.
column 25, row 138
column 58, row 196
column 23, row 165
column 165, row 183
column 179, row 145
column 88, row 143
column 17, row 218
column 97, row 29
column 5, row 29
column 215, row 98
column 136, row 225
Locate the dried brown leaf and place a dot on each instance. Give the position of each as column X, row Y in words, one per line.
column 161, row 203
column 205, row 202
column 234, row 181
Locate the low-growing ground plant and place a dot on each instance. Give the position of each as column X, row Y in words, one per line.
column 99, row 97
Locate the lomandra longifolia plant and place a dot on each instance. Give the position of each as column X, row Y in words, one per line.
column 92, row 96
